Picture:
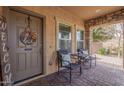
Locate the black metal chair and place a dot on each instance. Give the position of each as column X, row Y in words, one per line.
column 64, row 61
column 85, row 57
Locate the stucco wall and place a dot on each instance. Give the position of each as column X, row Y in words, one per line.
column 50, row 31
column 0, row 10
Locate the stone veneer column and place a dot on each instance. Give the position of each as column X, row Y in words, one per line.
column 87, row 32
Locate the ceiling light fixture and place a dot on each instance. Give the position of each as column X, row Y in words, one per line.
column 98, row 10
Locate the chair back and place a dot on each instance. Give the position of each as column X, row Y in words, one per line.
column 64, row 57
column 82, row 52
column 85, row 52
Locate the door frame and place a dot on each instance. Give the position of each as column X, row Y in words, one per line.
column 42, row 18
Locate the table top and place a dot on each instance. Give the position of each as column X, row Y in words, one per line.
column 74, row 53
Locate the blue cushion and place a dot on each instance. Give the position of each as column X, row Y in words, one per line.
column 85, row 52
column 66, row 59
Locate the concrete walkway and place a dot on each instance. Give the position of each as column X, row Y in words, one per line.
column 115, row 61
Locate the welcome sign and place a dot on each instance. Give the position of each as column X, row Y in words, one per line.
column 6, row 74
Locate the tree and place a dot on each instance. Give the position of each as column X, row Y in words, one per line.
column 107, row 32
column 101, row 34
column 119, row 35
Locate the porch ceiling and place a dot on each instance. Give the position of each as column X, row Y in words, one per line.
column 89, row 12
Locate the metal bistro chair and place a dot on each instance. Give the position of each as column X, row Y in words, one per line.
column 85, row 57
column 64, row 59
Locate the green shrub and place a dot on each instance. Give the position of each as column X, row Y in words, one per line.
column 102, row 51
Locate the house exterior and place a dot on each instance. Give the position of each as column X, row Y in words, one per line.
column 36, row 55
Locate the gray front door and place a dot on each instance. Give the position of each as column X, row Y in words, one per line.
column 26, row 59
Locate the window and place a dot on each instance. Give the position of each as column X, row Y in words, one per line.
column 64, row 37
column 80, row 39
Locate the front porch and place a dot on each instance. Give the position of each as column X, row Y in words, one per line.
column 31, row 36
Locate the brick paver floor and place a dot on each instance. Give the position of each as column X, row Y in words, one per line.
column 103, row 74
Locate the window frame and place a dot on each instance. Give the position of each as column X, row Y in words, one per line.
column 58, row 22
column 64, row 39
column 80, row 29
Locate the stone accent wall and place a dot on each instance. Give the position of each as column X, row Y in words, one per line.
column 114, row 16
column 111, row 17
column 96, row 46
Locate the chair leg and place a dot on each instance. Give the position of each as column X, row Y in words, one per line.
column 95, row 60
column 80, row 69
column 58, row 70
column 83, row 62
column 70, row 76
column 90, row 63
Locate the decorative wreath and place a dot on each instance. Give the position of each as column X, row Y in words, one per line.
column 27, row 37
